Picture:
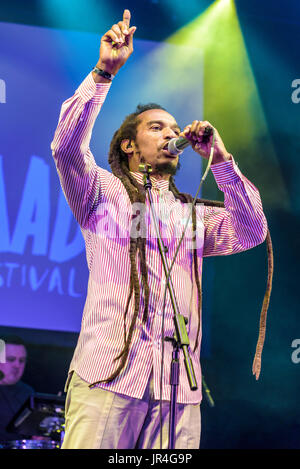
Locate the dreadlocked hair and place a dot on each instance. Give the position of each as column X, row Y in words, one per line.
column 118, row 161
column 256, row 366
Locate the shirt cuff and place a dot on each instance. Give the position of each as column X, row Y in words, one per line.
column 91, row 91
column 226, row 172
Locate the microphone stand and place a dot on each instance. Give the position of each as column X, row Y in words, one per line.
column 180, row 339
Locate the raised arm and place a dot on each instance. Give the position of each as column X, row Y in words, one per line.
column 81, row 179
column 115, row 48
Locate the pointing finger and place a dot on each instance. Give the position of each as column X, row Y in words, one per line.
column 126, row 18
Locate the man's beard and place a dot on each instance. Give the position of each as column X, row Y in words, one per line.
column 166, row 168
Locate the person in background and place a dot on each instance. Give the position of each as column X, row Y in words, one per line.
column 13, row 391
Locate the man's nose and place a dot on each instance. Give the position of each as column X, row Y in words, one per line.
column 170, row 133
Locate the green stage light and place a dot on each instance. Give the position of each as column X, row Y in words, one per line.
column 231, row 99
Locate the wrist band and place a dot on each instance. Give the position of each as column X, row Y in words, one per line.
column 103, row 73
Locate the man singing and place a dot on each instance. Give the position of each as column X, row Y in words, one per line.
column 114, row 382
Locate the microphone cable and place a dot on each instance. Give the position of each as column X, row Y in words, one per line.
column 169, row 273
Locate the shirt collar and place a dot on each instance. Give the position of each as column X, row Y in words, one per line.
column 159, row 184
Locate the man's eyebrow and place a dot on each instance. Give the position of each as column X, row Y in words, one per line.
column 157, row 121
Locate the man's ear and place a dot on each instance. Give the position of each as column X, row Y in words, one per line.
column 126, row 146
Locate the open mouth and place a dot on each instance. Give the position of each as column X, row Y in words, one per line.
column 166, row 151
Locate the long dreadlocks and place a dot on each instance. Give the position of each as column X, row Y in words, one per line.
column 118, row 161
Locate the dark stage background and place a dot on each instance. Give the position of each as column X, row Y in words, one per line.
column 235, row 64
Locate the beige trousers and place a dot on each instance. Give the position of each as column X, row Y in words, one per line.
column 100, row 419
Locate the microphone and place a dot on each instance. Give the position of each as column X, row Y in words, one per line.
column 177, row 145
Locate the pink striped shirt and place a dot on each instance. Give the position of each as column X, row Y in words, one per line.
column 102, row 208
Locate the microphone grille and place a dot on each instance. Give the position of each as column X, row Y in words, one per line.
column 172, row 147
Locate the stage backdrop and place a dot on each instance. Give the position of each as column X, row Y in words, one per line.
column 43, row 272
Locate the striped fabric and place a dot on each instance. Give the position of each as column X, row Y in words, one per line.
column 102, row 208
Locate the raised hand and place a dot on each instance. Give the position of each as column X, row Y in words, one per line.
column 116, row 45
